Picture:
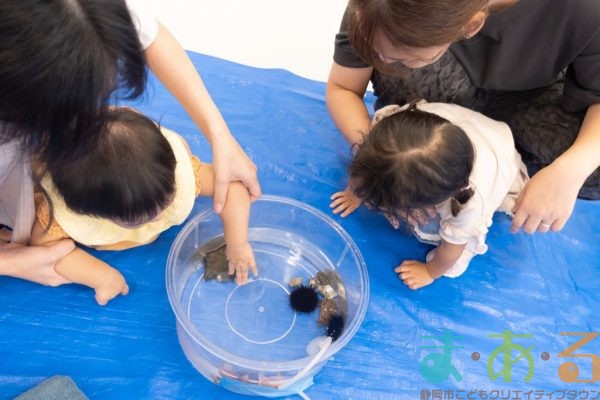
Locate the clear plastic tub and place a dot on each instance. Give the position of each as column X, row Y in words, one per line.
column 247, row 338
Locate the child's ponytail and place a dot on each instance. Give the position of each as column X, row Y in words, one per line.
column 460, row 198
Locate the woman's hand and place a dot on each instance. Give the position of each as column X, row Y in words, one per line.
column 547, row 201
column 34, row 263
column 230, row 164
column 345, row 202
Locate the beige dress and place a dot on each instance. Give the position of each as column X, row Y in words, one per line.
column 497, row 178
column 104, row 234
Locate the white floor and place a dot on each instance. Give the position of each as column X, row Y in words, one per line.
column 294, row 35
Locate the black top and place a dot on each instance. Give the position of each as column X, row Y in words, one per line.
column 526, row 46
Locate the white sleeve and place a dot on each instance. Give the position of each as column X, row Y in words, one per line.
column 144, row 20
column 469, row 223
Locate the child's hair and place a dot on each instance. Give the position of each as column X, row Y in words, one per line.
column 61, row 60
column 128, row 177
column 413, row 159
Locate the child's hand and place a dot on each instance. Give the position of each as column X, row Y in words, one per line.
column 240, row 257
column 113, row 285
column 345, row 202
column 414, row 274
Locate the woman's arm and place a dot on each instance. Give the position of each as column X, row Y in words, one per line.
column 345, row 91
column 171, row 64
column 548, row 199
column 81, row 267
column 34, row 263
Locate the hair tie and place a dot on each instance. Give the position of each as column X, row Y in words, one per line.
column 386, row 112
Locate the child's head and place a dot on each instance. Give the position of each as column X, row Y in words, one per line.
column 413, row 159
column 61, row 62
column 129, row 177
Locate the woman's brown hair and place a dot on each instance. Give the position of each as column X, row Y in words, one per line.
column 409, row 23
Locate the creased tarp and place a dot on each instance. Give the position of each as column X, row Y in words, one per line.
column 538, row 285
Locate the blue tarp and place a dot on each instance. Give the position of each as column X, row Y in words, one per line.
column 541, row 286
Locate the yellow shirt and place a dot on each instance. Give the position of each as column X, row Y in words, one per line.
column 104, row 234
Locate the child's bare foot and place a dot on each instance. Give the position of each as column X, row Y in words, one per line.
column 114, row 284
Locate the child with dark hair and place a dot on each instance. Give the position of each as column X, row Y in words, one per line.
column 442, row 158
column 138, row 181
column 63, row 62
column 530, row 63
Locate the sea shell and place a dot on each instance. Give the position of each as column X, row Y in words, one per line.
column 327, row 291
column 323, row 279
column 328, row 309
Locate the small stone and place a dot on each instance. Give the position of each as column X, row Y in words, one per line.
column 295, row 282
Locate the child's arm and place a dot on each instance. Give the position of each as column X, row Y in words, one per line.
column 416, row 274
column 81, row 267
column 235, row 217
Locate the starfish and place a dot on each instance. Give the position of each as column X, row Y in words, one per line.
column 216, row 265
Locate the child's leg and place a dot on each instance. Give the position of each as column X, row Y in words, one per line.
column 83, row 268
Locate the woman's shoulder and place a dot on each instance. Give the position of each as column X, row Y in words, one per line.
column 144, row 21
column 550, row 7
column 577, row 14
column 583, row 14
column 581, row 5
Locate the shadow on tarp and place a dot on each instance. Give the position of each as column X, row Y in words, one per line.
column 539, row 286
